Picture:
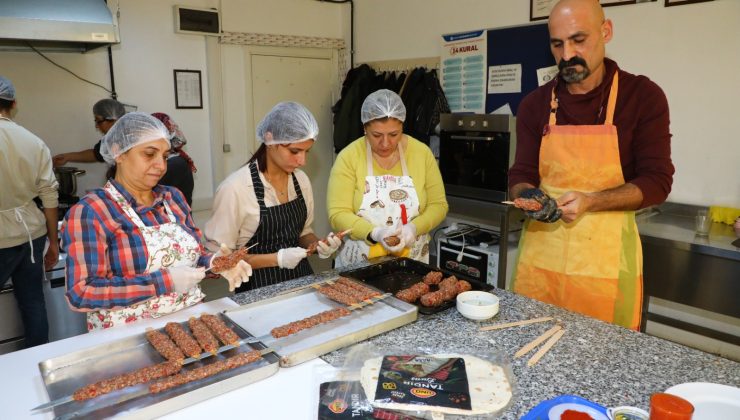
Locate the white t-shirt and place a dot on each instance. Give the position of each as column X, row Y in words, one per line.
column 236, row 211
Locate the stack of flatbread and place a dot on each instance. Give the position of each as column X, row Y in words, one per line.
column 489, row 387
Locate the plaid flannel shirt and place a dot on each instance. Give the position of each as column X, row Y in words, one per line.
column 106, row 254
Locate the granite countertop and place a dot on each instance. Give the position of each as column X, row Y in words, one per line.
column 604, row 363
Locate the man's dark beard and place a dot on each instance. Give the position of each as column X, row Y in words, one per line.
column 568, row 71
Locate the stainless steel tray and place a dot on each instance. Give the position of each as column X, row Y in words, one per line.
column 260, row 317
column 63, row 375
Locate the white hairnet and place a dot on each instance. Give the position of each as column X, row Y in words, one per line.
column 287, row 122
column 131, row 130
column 110, row 109
column 7, row 91
column 382, row 103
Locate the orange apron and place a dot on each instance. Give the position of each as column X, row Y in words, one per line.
column 593, row 265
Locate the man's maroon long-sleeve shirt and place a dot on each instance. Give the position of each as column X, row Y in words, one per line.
column 642, row 121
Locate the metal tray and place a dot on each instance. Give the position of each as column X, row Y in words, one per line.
column 63, row 375
column 260, row 317
column 400, row 273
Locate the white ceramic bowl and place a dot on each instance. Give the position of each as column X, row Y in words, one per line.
column 477, row 305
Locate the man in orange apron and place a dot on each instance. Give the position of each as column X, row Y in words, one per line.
column 589, row 148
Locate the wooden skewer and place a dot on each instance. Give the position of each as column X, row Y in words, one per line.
column 544, row 349
column 507, row 202
column 537, row 341
column 516, row 324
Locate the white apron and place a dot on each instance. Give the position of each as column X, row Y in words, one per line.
column 381, row 206
column 167, row 245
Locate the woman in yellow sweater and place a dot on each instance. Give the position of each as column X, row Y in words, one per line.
column 383, row 185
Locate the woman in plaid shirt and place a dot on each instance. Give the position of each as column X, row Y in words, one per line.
column 133, row 251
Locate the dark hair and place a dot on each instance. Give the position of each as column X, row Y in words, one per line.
column 6, row 104
column 111, row 172
column 261, row 157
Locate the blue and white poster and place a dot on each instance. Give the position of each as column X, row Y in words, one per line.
column 464, row 69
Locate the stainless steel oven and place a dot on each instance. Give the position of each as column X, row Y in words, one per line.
column 475, row 153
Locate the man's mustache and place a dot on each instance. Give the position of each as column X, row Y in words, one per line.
column 572, row 62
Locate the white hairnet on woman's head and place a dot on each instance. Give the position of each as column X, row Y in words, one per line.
column 131, row 130
column 7, row 91
column 382, row 103
column 287, row 122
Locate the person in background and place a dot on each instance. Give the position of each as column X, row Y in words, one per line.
column 593, row 146
column 26, row 173
column 385, row 184
column 105, row 112
column 180, row 166
column 268, row 203
column 133, row 251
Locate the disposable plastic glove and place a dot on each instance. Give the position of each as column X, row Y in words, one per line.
column 380, row 233
column 185, row 278
column 290, row 257
column 408, row 235
column 325, row 250
column 235, row 275
column 549, row 213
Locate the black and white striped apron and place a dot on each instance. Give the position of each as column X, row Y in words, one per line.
column 279, row 227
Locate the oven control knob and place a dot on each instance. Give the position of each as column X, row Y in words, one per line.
column 485, row 123
column 472, row 123
column 459, row 123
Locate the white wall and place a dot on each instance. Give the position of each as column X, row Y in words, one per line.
column 691, row 51
column 58, row 107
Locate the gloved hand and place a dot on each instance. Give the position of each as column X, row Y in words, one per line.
column 379, row 234
column 549, row 213
column 185, row 278
column 235, row 275
column 290, row 257
column 325, row 250
column 408, row 235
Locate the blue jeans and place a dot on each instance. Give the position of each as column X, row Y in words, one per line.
column 28, row 279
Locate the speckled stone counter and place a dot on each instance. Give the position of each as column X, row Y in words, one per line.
column 609, row 365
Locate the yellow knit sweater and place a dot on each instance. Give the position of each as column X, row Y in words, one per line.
column 347, row 185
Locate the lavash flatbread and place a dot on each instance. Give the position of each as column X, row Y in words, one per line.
column 489, row 388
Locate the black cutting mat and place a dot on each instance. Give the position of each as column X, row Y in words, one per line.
column 401, row 273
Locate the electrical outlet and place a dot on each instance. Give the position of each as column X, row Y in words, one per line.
column 227, row 148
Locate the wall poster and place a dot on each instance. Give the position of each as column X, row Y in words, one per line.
column 463, row 70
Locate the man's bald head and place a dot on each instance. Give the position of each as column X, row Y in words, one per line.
column 578, row 36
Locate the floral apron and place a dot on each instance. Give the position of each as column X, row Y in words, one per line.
column 593, row 265
column 167, row 245
column 382, row 205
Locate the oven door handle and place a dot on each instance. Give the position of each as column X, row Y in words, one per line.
column 476, row 138
column 465, row 254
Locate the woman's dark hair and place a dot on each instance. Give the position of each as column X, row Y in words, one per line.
column 6, row 104
column 111, row 172
column 261, row 157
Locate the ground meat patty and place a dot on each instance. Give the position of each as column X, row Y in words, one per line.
column 337, row 295
column 370, row 293
column 164, row 346
column 432, row 277
column 432, row 299
column 223, row 263
column 448, row 282
column 204, row 371
column 463, row 286
column 219, row 328
column 392, row 240
column 136, row 377
column 310, row 322
column 529, row 204
column 185, row 341
column 205, row 337
column 413, row 293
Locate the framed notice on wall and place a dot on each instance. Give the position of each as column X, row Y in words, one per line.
column 680, row 2
column 188, row 89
